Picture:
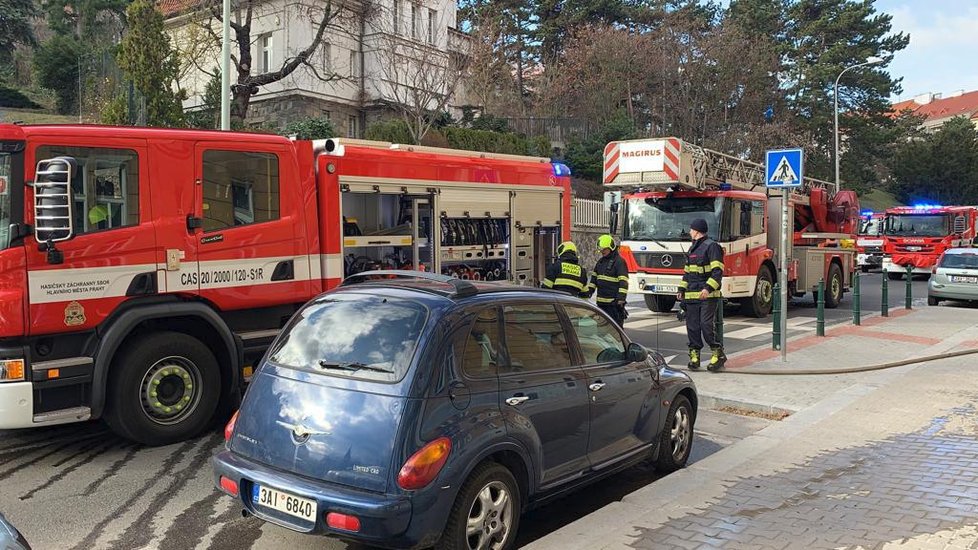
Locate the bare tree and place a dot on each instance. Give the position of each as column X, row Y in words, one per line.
column 327, row 16
column 419, row 78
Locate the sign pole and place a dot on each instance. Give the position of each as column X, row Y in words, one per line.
column 785, row 192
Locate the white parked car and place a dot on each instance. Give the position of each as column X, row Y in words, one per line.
column 955, row 277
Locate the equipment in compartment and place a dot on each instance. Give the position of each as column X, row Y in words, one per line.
column 486, row 271
column 474, row 231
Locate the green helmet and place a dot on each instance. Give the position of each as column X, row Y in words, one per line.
column 606, row 241
column 565, row 247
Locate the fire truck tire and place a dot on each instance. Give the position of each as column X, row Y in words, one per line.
column 659, row 303
column 163, row 388
column 894, row 275
column 833, row 287
column 759, row 305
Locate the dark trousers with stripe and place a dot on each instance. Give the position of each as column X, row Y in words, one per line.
column 701, row 323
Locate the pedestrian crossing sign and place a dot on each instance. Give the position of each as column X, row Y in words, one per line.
column 784, row 168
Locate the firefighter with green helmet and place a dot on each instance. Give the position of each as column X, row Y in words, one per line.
column 610, row 280
column 566, row 274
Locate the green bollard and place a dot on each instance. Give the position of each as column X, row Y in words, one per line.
column 820, row 311
column 909, row 287
column 856, row 313
column 776, row 335
column 719, row 322
column 885, row 305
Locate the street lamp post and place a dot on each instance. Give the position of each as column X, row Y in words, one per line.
column 226, row 67
column 871, row 60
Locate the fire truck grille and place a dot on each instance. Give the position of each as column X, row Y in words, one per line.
column 923, row 248
column 660, row 260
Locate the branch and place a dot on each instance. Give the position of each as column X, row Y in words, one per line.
column 291, row 64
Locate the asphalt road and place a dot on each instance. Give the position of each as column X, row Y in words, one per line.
column 662, row 332
column 79, row 487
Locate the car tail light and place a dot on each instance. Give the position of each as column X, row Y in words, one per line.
column 229, row 429
column 230, row 486
column 424, row 465
column 343, row 522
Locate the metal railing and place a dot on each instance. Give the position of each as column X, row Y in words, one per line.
column 589, row 213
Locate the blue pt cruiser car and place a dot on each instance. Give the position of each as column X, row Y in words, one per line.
column 420, row 410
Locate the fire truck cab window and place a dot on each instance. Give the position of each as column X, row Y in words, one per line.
column 105, row 186
column 240, row 188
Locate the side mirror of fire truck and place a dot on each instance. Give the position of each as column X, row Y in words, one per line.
column 54, row 208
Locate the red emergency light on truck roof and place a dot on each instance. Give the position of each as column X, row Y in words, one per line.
column 666, row 183
column 143, row 271
column 916, row 236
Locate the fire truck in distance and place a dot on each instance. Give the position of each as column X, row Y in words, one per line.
column 667, row 183
column 918, row 235
column 143, row 271
column 869, row 242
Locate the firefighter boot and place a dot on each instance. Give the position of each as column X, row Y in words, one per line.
column 717, row 360
column 694, row 359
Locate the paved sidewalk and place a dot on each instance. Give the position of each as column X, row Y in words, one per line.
column 887, row 461
column 903, row 335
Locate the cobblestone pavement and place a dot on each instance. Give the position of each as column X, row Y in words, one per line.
column 920, row 489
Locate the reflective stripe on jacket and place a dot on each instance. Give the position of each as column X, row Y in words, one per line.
column 568, row 276
column 610, row 279
column 703, row 270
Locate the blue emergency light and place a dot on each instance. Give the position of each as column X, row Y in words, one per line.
column 725, row 187
column 925, row 206
column 867, row 213
column 561, row 170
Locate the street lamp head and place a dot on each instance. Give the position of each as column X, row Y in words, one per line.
column 873, row 60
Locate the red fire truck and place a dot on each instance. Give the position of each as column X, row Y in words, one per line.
column 918, row 235
column 667, row 183
column 143, row 271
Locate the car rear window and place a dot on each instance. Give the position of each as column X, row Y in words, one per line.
column 354, row 336
column 960, row 261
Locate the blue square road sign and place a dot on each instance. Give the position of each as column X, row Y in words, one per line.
column 784, row 168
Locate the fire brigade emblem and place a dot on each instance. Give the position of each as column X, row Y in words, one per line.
column 74, row 315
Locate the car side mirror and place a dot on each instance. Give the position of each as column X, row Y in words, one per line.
column 636, row 353
column 54, row 207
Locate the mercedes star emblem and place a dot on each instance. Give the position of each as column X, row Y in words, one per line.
column 666, row 260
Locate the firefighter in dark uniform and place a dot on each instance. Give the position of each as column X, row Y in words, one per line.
column 566, row 274
column 610, row 280
column 700, row 293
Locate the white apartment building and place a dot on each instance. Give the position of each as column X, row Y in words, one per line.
column 367, row 50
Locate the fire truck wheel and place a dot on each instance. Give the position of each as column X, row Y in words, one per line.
column 833, row 287
column 163, row 388
column 894, row 275
column 759, row 305
column 660, row 304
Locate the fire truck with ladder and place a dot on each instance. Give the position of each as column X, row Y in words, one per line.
column 144, row 271
column 918, row 235
column 667, row 183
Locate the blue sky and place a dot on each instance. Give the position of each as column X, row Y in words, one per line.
column 943, row 51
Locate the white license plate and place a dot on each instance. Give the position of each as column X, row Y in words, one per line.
column 299, row 507
column 961, row 279
column 664, row 289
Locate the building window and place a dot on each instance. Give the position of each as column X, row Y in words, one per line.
column 327, row 59
column 105, row 186
column 240, row 188
column 415, row 20
column 354, row 64
column 265, row 53
column 352, row 126
column 432, row 16
column 397, row 16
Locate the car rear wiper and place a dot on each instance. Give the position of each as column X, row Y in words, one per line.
column 353, row 367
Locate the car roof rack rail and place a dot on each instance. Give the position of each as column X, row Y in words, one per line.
column 462, row 289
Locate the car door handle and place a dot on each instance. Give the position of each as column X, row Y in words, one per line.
column 596, row 386
column 517, row 400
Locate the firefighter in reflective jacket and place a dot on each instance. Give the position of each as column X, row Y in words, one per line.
column 700, row 293
column 566, row 274
column 610, row 279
